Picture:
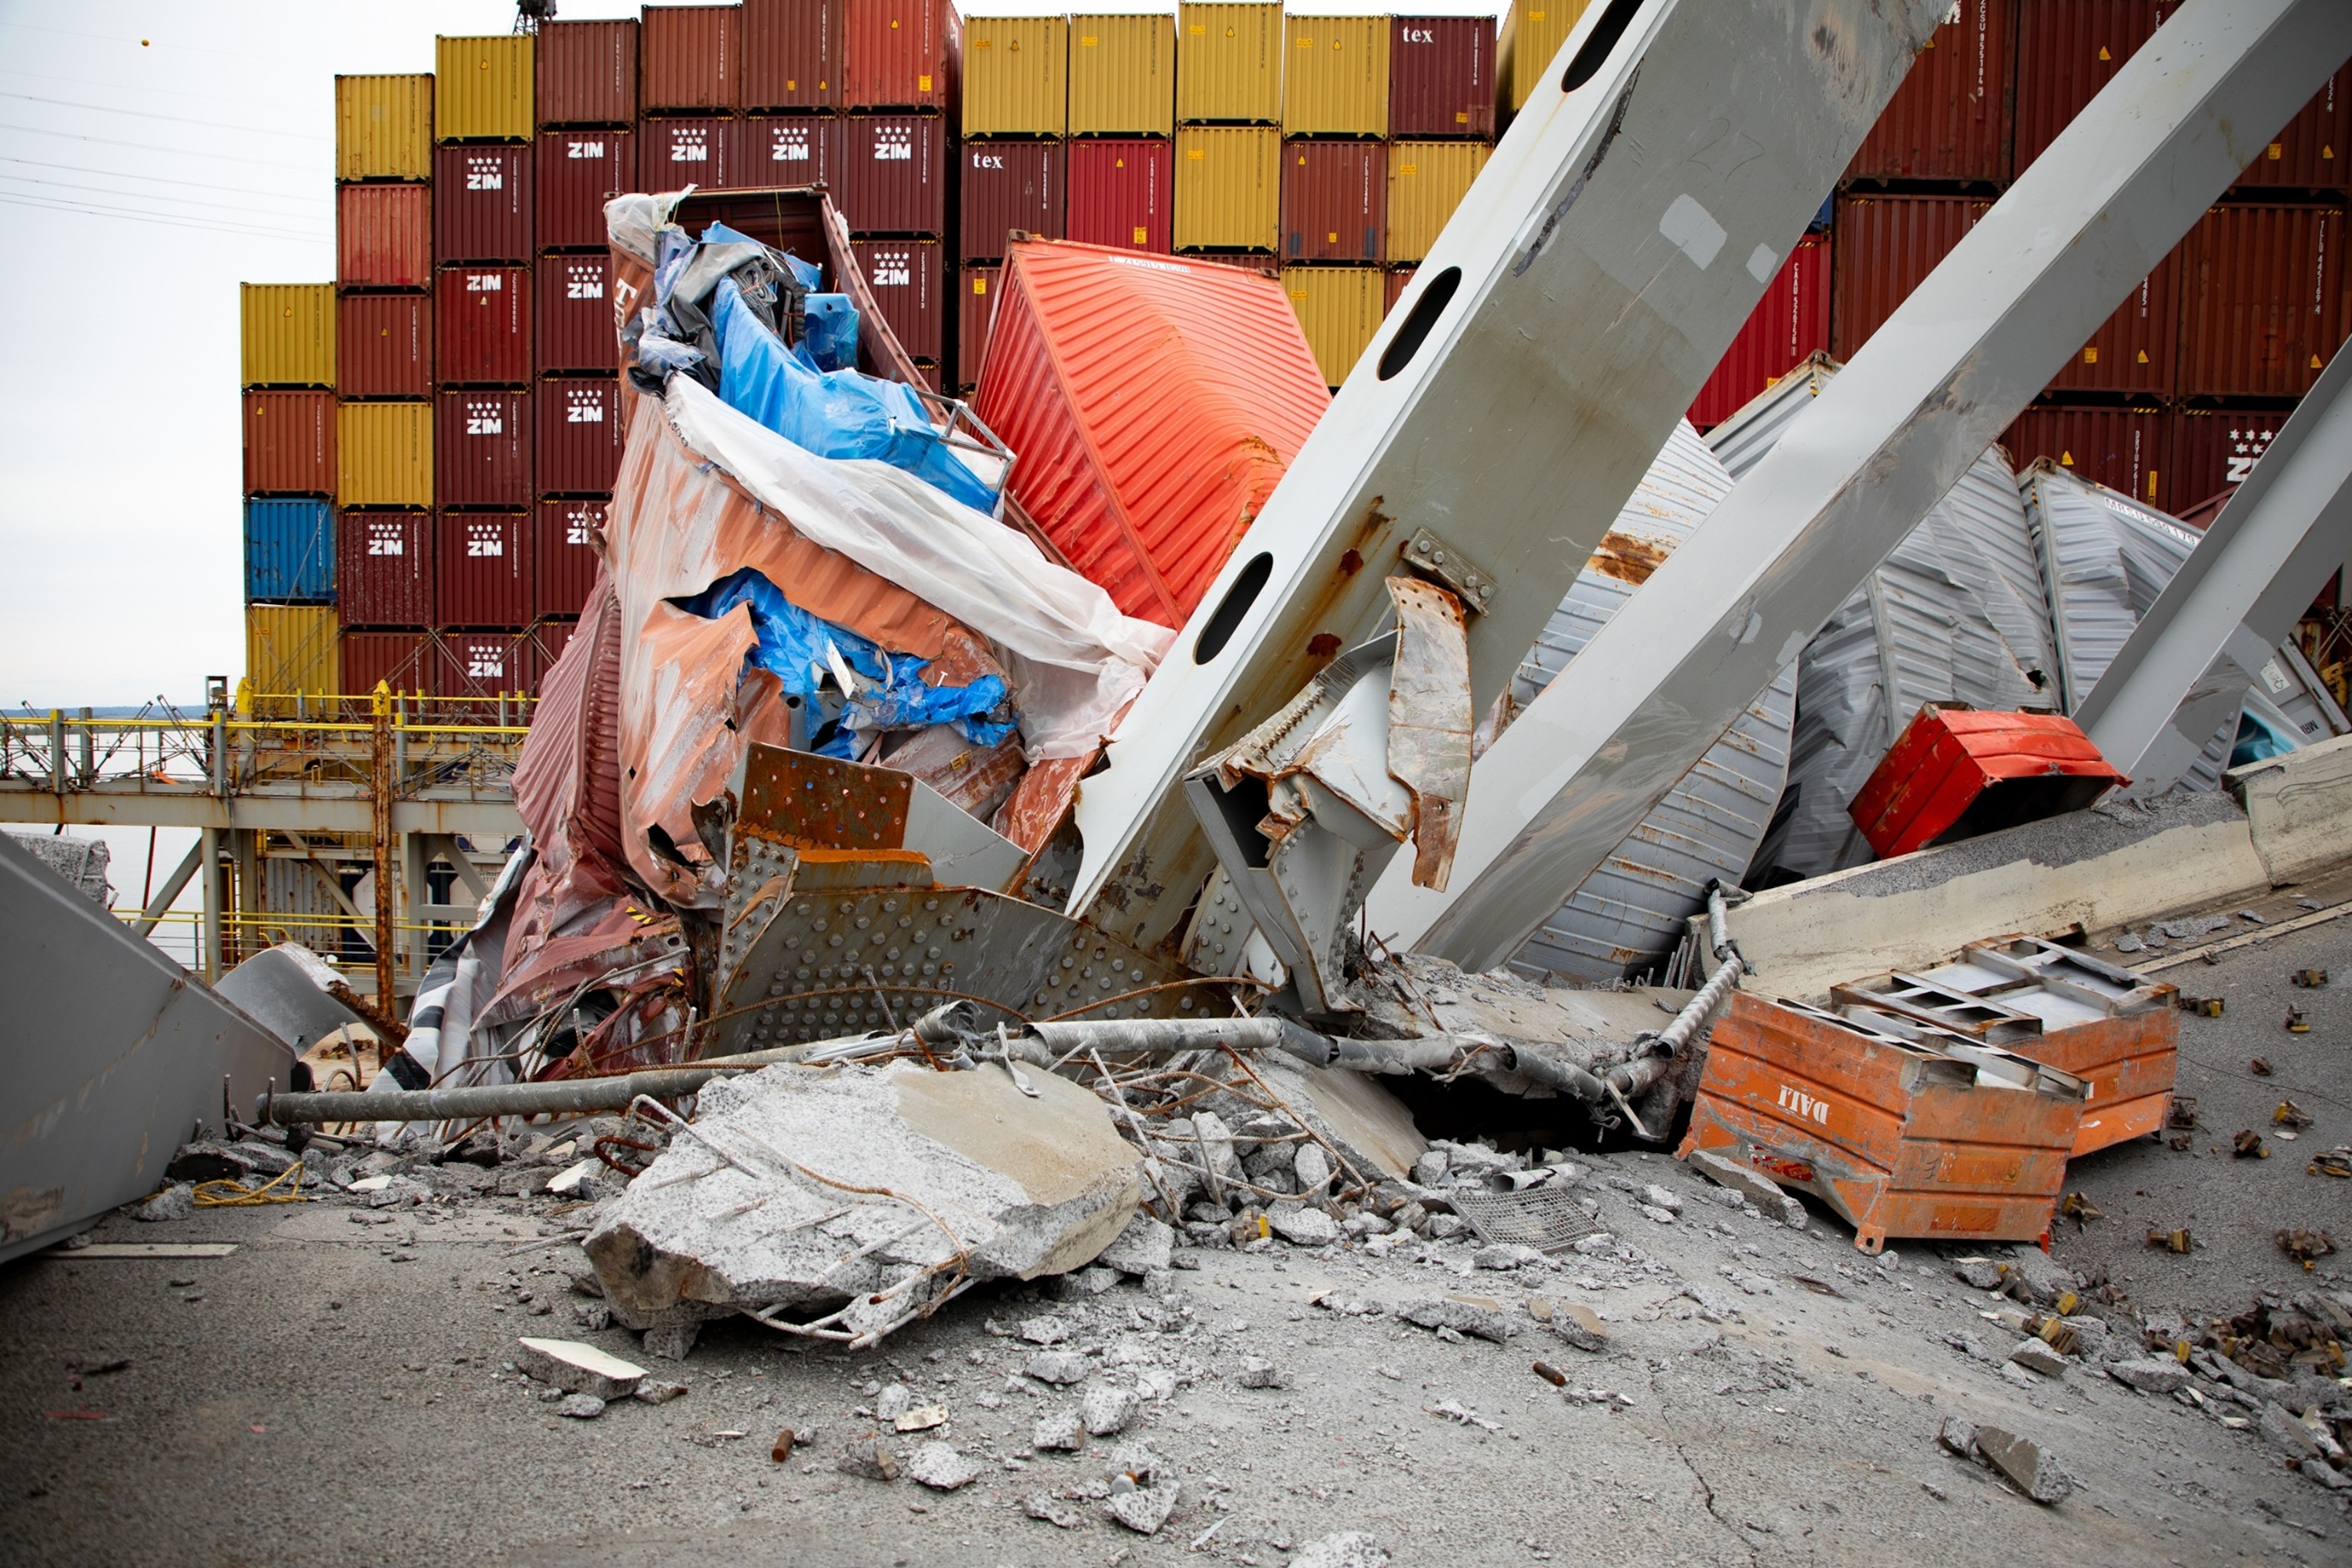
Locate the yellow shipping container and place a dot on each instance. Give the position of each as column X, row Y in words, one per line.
column 1016, row 75
column 1122, row 74
column 482, row 88
column 1427, row 180
column 1229, row 63
column 1533, row 31
column 383, row 128
column 287, row 332
column 288, row 649
column 1228, row 187
column 1338, row 309
column 383, row 453
column 1335, row 79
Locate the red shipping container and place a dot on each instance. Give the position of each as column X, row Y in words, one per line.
column 792, row 150
column 482, row 575
column 1441, row 77
column 2136, row 349
column 2126, row 449
column 690, row 59
column 975, row 300
column 1155, row 403
column 397, row 659
column 563, row 553
column 702, row 150
column 1790, row 323
column 2313, row 151
column 2066, row 51
column 1956, row 773
column 894, row 174
column 579, row 435
column 1009, row 186
column 1119, row 195
column 383, row 346
column 899, row 54
column 574, row 315
column 585, row 73
column 1393, row 287
column 482, row 318
column 383, row 569
column 577, row 173
column 792, row 53
column 1949, row 120
column 480, row 666
column 289, row 442
column 2263, row 306
column 1886, row 248
column 1335, row 200
column 904, row 275
column 481, row 449
column 2214, row 449
column 481, row 204
column 384, row 237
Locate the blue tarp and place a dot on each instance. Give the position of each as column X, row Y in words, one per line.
column 2257, row 741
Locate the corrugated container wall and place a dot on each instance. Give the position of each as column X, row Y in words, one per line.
column 574, row 175
column 572, row 315
column 792, row 150
column 1120, row 193
column 286, row 333
column 289, row 442
column 792, row 53
column 482, row 88
column 2136, row 349
column 563, row 553
column 383, row 453
column 1016, row 75
column 383, row 569
column 289, row 649
column 290, row 551
column 1886, row 247
column 384, row 345
column 483, row 568
column 1533, row 31
column 482, row 206
column 1334, row 202
column 1335, row 76
column 1441, row 77
column 1228, row 185
column 2313, row 151
column 481, row 449
column 1009, row 186
column 585, row 73
column 481, row 326
column 1229, row 63
column 1154, row 404
column 2263, row 305
column 895, row 174
column 1790, row 323
column 975, row 300
column 908, row 288
column 2066, row 51
column 690, row 60
column 2215, row 450
column 675, row 153
column 383, row 128
column 2126, row 449
column 901, row 54
column 1949, row 120
column 1122, row 76
column 384, row 237
column 395, row 659
column 579, row 436
column 1427, row 180
column 1338, row 309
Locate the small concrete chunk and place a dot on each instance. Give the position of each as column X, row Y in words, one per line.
column 1505, row 1254
column 1443, row 1312
column 578, row 1368
column 652, row 1391
column 1747, row 1183
column 940, row 1467
column 1976, row 1273
column 177, row 1201
column 2318, row 1470
column 1041, row 1505
column 2150, row 1375
column 2024, row 1461
column 1145, row 1245
column 1657, row 1197
column 1044, row 1330
column 1579, row 1325
column 1302, row 1226
column 1958, row 1436
column 579, row 1406
column 2034, row 1355
column 893, row 1402
column 1108, row 1411
column 2279, row 1428
column 1349, row 1549
column 1058, row 1431
column 671, row 1341
column 1058, row 1367
column 869, row 1457
column 1258, row 1373
column 580, row 1179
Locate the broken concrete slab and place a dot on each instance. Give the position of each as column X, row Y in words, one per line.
column 578, row 1368
column 1107, row 1411
column 1147, row 1244
column 1750, row 1184
column 938, row 1467
column 2025, row 1462
column 1444, row 1313
column 2278, row 1427
column 2034, row 1355
column 1301, row 1226
column 2295, row 805
column 1058, row 1367
column 1369, row 1128
column 2150, row 1375
column 1058, row 1431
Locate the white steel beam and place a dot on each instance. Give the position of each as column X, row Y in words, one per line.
column 137, row 806
column 2216, row 626
column 1617, row 239
column 1940, row 381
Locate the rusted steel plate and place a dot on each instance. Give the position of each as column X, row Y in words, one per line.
column 822, row 802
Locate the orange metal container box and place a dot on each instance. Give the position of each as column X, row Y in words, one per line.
column 1954, row 772
column 1155, row 402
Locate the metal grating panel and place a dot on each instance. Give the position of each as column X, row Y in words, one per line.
column 1547, row 1218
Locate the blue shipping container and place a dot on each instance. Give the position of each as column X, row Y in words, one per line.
column 290, row 551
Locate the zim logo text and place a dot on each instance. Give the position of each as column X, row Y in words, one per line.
column 1804, row 1104
column 894, row 147
column 386, row 543
column 485, row 420
column 585, row 409
column 893, row 271
column 485, row 283
column 485, row 667
column 790, row 148
column 586, row 149
column 483, row 174
column 584, row 283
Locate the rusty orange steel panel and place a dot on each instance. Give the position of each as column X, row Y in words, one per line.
column 1956, row 773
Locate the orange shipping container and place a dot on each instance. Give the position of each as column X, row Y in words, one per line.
column 1155, row 402
column 384, row 237
column 289, row 442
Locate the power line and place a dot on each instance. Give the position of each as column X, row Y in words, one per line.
column 136, row 195
column 154, row 179
column 6, row 199
column 142, row 43
column 173, row 119
column 142, row 88
column 151, row 147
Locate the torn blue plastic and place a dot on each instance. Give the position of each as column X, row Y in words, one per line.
column 2257, row 741
column 828, row 333
column 796, row 646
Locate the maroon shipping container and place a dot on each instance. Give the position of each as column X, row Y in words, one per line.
column 483, row 666
column 383, row 346
column 481, row 206
column 975, row 300
column 482, row 326
column 1009, row 186
column 690, row 59
column 1120, row 193
column 792, row 53
column 2313, row 151
column 1949, row 120
column 1886, row 247
column 894, row 174
column 482, row 568
column 585, row 73
column 563, row 553
column 384, row 237
column 579, row 435
column 1335, row 200
column 2263, row 306
column 905, row 276
column 576, row 173
column 289, row 442
column 899, row 54
column 1392, row 289
column 573, row 316
column 2214, row 449
column 383, row 569
column 1441, row 77
column 792, row 150
column 1790, row 323
column 397, row 659
column 481, row 449
column 2136, row 349
column 2066, row 51
column 699, row 150
column 2126, row 449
